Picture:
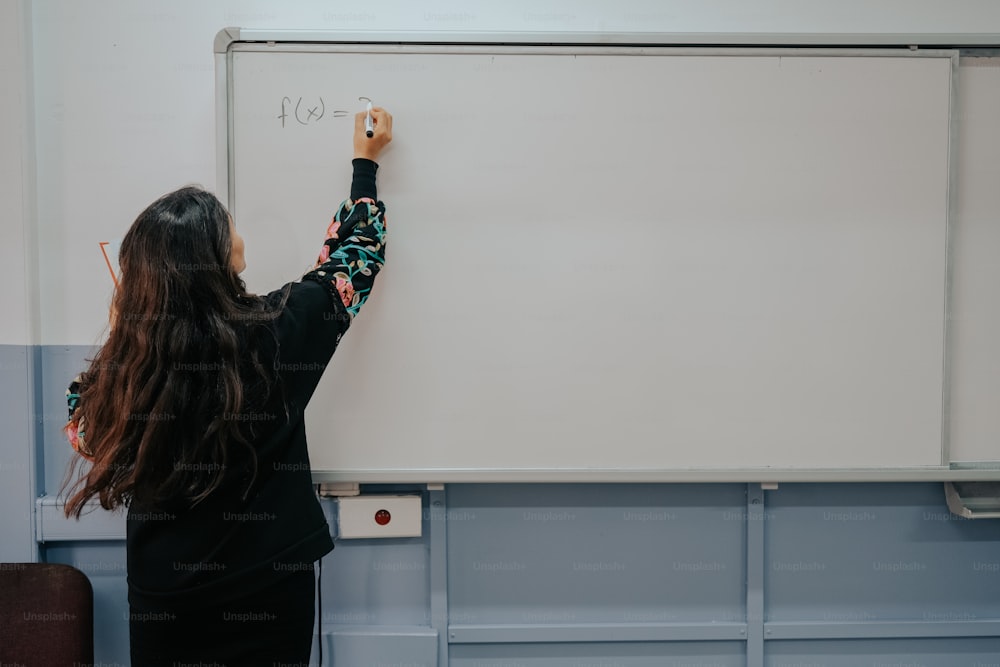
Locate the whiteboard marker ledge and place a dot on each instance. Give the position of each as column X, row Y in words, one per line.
column 330, row 489
column 652, row 475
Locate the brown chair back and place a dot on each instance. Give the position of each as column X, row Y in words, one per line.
column 46, row 615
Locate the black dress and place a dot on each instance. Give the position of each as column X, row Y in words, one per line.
column 274, row 626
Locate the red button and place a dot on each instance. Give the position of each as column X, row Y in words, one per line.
column 382, row 517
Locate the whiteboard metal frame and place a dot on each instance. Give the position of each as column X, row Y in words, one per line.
column 227, row 36
column 952, row 213
column 229, row 40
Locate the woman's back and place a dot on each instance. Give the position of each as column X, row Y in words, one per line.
column 264, row 518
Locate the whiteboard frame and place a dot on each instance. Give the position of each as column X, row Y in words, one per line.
column 230, row 40
column 225, row 38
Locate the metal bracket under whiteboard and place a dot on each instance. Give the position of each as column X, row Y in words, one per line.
column 973, row 500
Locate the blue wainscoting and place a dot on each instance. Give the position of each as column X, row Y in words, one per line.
column 20, row 468
column 624, row 575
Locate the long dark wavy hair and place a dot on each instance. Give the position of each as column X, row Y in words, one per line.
column 161, row 398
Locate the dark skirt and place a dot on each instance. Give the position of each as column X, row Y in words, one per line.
column 272, row 627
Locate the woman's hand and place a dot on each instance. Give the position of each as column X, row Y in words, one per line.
column 369, row 147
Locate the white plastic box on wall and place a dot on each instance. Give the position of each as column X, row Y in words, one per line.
column 374, row 515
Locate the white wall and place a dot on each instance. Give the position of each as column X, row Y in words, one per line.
column 18, row 301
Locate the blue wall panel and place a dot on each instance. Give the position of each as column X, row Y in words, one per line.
column 640, row 654
column 393, row 575
column 971, row 652
column 381, row 646
column 18, row 422
column 537, row 554
column 866, row 552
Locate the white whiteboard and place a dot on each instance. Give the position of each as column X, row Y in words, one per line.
column 613, row 259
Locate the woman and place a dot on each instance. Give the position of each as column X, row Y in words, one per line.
column 191, row 416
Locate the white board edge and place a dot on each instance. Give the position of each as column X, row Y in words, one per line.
column 227, row 36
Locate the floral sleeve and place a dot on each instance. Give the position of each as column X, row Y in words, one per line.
column 74, row 424
column 353, row 253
